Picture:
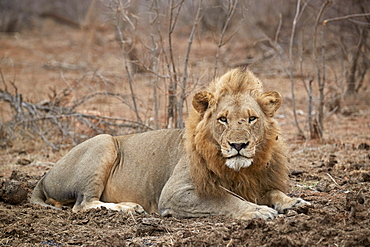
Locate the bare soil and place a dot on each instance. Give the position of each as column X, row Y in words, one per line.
column 333, row 174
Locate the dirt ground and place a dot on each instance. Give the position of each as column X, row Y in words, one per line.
column 333, row 174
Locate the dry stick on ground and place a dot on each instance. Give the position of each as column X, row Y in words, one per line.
column 332, row 179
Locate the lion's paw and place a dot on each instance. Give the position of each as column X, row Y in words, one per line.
column 126, row 207
column 291, row 204
column 262, row 212
column 129, row 207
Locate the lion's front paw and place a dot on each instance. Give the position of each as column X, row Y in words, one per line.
column 290, row 204
column 263, row 212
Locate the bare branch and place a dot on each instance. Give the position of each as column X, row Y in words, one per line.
column 185, row 72
column 120, row 11
column 3, row 80
column 230, row 12
column 291, row 63
column 346, row 17
column 172, row 87
column 320, row 71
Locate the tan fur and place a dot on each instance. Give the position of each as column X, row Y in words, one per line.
column 231, row 145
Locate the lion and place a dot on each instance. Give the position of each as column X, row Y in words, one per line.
column 230, row 160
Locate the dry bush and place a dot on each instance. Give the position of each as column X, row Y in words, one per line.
column 59, row 120
column 157, row 37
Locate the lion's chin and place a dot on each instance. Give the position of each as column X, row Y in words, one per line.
column 238, row 162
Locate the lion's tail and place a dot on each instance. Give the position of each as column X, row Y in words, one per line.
column 38, row 195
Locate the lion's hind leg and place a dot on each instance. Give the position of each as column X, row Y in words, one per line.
column 80, row 178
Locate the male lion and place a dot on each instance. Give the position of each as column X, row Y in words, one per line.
column 228, row 161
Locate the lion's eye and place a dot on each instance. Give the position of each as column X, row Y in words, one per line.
column 222, row 119
column 251, row 119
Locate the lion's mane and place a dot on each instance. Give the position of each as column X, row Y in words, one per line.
column 207, row 166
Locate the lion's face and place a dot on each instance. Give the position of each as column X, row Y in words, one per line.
column 238, row 128
column 236, row 124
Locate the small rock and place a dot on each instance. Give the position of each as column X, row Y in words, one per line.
column 290, row 213
column 332, row 161
column 366, row 177
column 364, row 146
column 296, row 173
column 13, row 192
column 151, row 221
column 322, row 186
column 23, row 162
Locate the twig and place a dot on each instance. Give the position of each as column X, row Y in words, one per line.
column 232, row 193
column 291, row 62
column 230, row 243
column 132, row 216
column 332, row 179
column 230, row 12
column 344, row 18
column 120, row 12
column 172, row 87
column 180, row 121
column 320, row 78
column 279, row 28
column 89, row 116
column 331, row 112
column 3, row 80
column 90, row 96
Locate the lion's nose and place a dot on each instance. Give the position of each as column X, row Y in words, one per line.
column 239, row 146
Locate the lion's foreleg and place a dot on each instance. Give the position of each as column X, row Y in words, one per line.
column 186, row 203
column 281, row 202
column 180, row 199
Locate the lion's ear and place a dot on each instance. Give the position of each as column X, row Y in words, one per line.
column 270, row 102
column 202, row 100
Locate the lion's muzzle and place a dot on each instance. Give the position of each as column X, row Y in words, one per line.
column 238, row 155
